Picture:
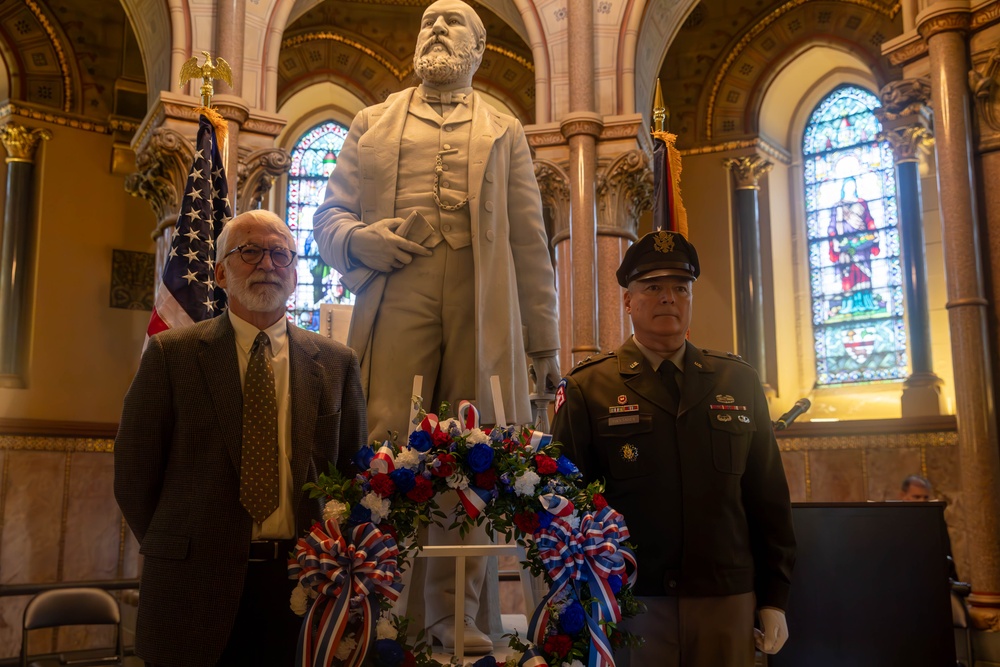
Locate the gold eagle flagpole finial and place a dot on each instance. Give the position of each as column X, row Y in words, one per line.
column 208, row 72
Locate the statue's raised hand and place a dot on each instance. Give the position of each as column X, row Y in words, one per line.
column 378, row 247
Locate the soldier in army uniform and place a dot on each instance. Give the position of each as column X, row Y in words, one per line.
column 683, row 439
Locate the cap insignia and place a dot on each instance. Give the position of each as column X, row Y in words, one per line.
column 664, row 242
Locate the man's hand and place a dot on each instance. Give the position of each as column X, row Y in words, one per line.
column 775, row 632
column 545, row 373
column 378, row 247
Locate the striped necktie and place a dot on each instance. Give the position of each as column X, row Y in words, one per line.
column 259, row 461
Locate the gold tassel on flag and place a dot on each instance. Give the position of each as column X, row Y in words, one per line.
column 668, row 209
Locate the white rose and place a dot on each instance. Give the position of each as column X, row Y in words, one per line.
column 458, row 481
column 385, row 629
column 334, row 511
column 526, row 483
column 299, row 601
column 378, row 506
column 347, row 645
column 573, row 520
column 477, row 437
column 409, row 458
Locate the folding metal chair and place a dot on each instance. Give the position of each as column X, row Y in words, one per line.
column 72, row 606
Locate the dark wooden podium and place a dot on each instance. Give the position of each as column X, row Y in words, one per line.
column 870, row 587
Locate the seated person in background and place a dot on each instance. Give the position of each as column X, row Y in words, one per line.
column 916, row 488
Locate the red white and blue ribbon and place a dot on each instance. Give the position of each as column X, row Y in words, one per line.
column 474, row 500
column 363, row 565
column 533, row 658
column 468, row 414
column 556, row 505
column 429, row 423
column 382, row 462
column 539, row 440
column 591, row 554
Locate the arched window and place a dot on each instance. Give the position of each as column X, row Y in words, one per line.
column 855, row 274
column 313, row 158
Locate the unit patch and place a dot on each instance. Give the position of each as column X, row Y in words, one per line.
column 560, row 395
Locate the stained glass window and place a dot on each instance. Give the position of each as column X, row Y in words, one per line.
column 854, row 263
column 313, row 158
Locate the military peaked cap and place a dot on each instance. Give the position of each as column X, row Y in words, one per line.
column 658, row 254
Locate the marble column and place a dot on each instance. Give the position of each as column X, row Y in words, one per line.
column 230, row 34
column 746, row 172
column 944, row 28
column 17, row 257
column 905, row 121
column 581, row 127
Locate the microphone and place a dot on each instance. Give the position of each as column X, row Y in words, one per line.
column 784, row 420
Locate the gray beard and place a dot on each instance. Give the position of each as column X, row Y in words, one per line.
column 260, row 298
column 442, row 69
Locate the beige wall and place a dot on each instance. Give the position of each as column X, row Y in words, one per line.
column 83, row 352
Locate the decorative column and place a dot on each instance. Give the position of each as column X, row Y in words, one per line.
column 230, row 35
column 17, row 257
column 256, row 175
column 943, row 26
column 581, row 127
column 906, row 122
column 624, row 191
column 746, row 172
column 554, row 186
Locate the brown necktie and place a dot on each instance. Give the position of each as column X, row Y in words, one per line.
column 259, row 462
column 668, row 372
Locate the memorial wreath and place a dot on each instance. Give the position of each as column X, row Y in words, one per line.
column 513, row 479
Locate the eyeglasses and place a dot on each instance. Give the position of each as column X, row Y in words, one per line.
column 252, row 254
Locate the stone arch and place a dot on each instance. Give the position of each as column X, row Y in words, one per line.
column 158, row 24
column 651, row 27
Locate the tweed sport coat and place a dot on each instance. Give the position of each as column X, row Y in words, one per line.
column 700, row 484
column 177, row 474
column 515, row 310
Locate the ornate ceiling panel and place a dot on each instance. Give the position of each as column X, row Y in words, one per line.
column 728, row 51
column 368, row 48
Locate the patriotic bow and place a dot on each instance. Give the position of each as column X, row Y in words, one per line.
column 591, row 554
column 361, row 564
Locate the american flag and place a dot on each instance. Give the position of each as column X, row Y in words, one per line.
column 188, row 293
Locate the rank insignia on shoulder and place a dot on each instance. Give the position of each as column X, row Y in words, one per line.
column 725, row 398
column 724, row 418
column 560, row 394
column 629, row 453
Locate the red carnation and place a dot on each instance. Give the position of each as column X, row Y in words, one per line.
column 422, row 490
column 409, row 660
column 527, row 522
column 486, row 479
column 440, row 438
column 445, row 467
column 383, row 485
column 388, row 529
column 599, row 501
column 560, row 645
column 546, row 464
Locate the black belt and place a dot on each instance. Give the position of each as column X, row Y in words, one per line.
column 265, row 550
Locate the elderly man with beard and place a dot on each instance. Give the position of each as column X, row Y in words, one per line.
column 223, row 424
column 473, row 293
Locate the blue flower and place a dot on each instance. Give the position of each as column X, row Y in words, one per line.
column 388, row 653
column 480, row 458
column 544, row 519
column 359, row 514
column 615, row 581
column 421, row 440
column 572, row 619
column 566, row 467
column 505, row 480
column 404, row 479
column 488, row 661
column 364, row 457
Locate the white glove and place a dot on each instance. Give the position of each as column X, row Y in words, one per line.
column 378, row 247
column 545, row 373
column 775, row 632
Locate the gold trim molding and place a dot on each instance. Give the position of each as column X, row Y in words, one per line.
column 60, row 54
column 26, row 110
column 35, row 443
column 951, row 22
column 758, row 144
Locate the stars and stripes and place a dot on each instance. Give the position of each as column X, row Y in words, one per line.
column 188, row 293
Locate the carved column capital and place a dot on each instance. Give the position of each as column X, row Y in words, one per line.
column 582, row 122
column 908, row 142
column 985, row 86
column 624, row 191
column 904, row 98
column 21, row 142
column 553, row 183
column 256, row 173
column 747, row 170
column 953, row 20
column 162, row 164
